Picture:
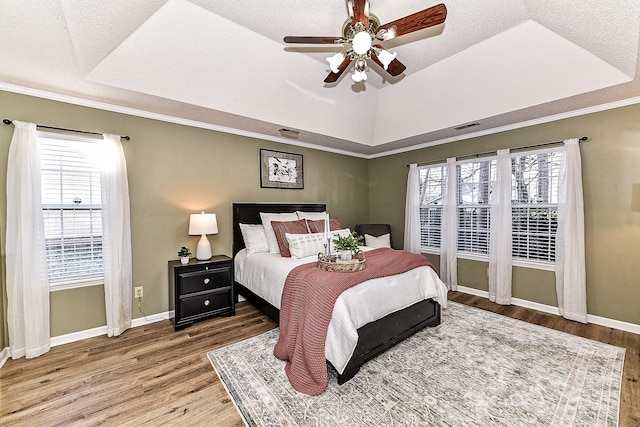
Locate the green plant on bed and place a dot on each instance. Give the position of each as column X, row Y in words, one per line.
column 351, row 242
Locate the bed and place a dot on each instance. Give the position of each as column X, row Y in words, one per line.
column 371, row 338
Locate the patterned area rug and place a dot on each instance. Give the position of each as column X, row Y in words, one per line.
column 475, row 369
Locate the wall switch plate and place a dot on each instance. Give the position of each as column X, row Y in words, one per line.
column 138, row 291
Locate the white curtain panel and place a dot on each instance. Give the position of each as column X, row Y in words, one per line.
column 412, row 212
column 26, row 257
column 500, row 235
column 449, row 232
column 116, row 236
column 571, row 285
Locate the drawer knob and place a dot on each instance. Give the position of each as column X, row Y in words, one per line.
column 207, row 302
column 206, row 281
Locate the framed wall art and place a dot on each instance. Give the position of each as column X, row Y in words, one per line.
column 281, row 170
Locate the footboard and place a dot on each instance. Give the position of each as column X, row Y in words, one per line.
column 376, row 337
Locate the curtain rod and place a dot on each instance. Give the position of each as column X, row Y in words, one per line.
column 8, row 122
column 524, row 147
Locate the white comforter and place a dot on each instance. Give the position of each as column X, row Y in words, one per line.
column 264, row 274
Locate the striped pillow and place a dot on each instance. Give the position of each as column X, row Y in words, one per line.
column 304, row 245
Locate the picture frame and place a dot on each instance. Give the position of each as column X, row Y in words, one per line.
column 281, row 170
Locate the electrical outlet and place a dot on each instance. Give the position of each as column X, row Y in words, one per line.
column 138, row 291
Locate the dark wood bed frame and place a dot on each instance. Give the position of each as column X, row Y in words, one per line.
column 373, row 338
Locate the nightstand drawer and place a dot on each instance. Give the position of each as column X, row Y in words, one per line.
column 204, row 280
column 206, row 303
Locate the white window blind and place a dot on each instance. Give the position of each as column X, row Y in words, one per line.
column 432, row 184
column 535, row 204
column 534, row 200
column 474, row 189
column 71, row 203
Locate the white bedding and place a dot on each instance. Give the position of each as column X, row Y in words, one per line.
column 265, row 273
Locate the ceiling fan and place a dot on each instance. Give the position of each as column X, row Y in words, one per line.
column 363, row 32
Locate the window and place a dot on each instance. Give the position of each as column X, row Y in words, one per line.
column 71, row 206
column 474, row 189
column 534, row 199
column 535, row 179
column 432, row 183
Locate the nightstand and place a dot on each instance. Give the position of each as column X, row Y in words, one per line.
column 201, row 289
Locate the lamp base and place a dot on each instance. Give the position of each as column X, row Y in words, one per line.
column 203, row 250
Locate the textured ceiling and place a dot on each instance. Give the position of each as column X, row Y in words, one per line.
column 224, row 65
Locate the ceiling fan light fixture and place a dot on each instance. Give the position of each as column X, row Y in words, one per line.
column 335, row 61
column 361, row 42
column 382, row 35
column 362, row 29
column 386, row 57
column 390, row 33
column 359, row 76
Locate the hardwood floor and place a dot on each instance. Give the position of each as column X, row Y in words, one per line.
column 152, row 375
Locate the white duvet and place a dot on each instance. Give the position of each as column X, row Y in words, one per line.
column 264, row 274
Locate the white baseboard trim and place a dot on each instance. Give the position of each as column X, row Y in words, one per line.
column 597, row 320
column 102, row 330
column 4, row 356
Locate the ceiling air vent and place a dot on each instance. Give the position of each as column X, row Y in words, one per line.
column 468, row 125
column 288, row 133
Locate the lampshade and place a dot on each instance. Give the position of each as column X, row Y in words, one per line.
column 386, row 57
column 203, row 224
column 361, row 42
column 335, row 61
column 359, row 76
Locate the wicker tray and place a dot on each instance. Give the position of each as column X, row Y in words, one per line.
column 335, row 264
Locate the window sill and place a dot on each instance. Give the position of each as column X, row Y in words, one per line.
column 547, row 266
column 74, row 285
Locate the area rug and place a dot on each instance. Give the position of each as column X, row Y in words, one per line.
column 476, row 369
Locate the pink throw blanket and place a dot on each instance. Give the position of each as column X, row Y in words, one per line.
column 308, row 298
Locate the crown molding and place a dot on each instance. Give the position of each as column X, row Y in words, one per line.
column 23, row 90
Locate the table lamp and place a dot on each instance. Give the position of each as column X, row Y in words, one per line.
column 203, row 224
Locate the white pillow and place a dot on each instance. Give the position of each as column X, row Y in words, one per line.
column 268, row 229
column 304, row 245
column 254, row 238
column 311, row 215
column 383, row 241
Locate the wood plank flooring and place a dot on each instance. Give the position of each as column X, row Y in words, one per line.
column 154, row 376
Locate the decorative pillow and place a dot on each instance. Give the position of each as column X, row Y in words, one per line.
column 317, row 225
column 311, row 215
column 383, row 241
column 282, row 227
column 268, row 230
column 254, row 238
column 304, row 245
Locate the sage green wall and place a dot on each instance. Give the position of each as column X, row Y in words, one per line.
column 173, row 171
column 610, row 160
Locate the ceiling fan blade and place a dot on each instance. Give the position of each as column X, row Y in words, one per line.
column 395, row 67
column 417, row 21
column 333, row 77
column 360, row 10
column 312, row 40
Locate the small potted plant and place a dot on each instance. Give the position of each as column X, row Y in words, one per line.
column 184, row 253
column 347, row 245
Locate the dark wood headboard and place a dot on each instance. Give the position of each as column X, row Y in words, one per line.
column 249, row 213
